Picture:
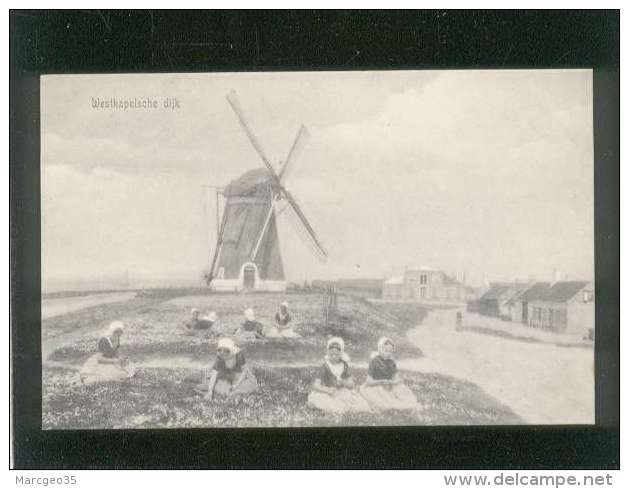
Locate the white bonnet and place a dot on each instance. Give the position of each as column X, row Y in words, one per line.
column 115, row 326
column 250, row 315
column 228, row 344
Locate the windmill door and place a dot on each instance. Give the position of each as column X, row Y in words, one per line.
column 525, row 312
column 249, row 277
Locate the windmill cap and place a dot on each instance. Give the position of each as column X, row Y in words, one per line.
column 247, row 182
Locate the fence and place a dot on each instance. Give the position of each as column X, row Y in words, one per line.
column 329, row 303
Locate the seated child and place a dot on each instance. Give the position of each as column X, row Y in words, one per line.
column 282, row 322
column 107, row 365
column 229, row 375
column 383, row 389
column 333, row 390
column 196, row 322
column 251, row 329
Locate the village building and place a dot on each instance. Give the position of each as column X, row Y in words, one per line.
column 425, row 284
column 496, row 301
column 565, row 307
column 395, row 288
column 519, row 304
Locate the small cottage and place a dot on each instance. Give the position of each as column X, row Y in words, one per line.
column 519, row 304
column 495, row 302
column 565, row 307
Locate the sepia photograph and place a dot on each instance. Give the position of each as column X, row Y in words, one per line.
column 317, row 249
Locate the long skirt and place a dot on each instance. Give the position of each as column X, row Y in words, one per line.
column 246, row 336
column 384, row 398
column 342, row 401
column 289, row 333
column 94, row 371
column 275, row 332
column 223, row 387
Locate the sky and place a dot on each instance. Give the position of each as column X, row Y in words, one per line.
column 483, row 173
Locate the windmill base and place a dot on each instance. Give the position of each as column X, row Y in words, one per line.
column 237, row 285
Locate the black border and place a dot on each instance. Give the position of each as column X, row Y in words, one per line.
column 188, row 41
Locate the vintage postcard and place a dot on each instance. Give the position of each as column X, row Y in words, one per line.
column 288, row 249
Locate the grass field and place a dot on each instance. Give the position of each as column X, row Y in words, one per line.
column 170, row 360
column 155, row 327
column 164, row 398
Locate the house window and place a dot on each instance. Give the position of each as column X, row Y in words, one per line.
column 423, row 279
column 422, row 292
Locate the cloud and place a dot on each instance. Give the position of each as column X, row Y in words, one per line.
column 484, row 170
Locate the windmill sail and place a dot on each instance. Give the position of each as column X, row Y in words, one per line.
column 323, row 254
column 296, row 148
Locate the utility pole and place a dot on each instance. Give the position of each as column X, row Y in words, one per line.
column 217, row 190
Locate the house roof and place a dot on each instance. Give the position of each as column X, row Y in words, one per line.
column 495, row 292
column 534, row 292
column 562, row 291
column 503, row 290
column 514, row 291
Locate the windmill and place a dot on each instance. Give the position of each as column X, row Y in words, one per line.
column 247, row 254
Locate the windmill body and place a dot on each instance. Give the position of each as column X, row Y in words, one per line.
column 247, row 254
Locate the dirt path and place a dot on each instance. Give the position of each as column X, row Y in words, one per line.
column 542, row 383
column 64, row 305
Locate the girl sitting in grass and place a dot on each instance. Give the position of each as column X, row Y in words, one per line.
column 200, row 323
column 333, row 390
column 383, row 388
column 283, row 322
column 282, row 327
column 250, row 329
column 107, row 364
column 229, row 375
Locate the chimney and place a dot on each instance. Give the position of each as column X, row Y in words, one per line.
column 556, row 276
column 485, row 280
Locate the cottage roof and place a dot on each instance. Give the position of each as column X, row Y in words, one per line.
column 536, row 291
column 562, row 291
column 495, row 292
